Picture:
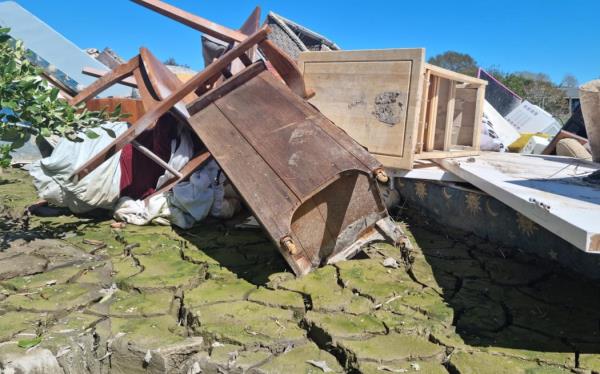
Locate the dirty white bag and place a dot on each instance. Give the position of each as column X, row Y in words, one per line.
column 180, row 155
column 99, row 189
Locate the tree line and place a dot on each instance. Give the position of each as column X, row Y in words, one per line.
column 537, row 88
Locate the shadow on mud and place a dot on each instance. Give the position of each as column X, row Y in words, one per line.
column 20, row 227
column 246, row 252
column 505, row 298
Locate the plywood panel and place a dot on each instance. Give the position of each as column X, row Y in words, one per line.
column 550, row 191
column 373, row 95
column 464, row 116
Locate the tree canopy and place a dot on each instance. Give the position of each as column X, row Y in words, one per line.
column 455, row 61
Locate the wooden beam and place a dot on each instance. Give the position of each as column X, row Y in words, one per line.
column 195, row 22
column 214, row 94
column 452, row 75
column 478, row 116
column 184, row 173
column 66, row 91
column 432, row 113
column 114, row 76
column 148, row 153
column 423, row 113
column 97, row 73
column 449, row 115
column 285, row 66
column 164, row 106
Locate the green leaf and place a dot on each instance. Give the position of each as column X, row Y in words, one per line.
column 91, row 135
column 54, row 93
column 45, row 132
column 117, row 110
column 29, row 343
column 4, row 30
column 110, row 132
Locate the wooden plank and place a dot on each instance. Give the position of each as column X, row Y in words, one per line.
column 373, row 95
column 432, row 111
column 289, row 141
column 116, row 75
column 464, row 116
column 423, row 113
column 452, row 75
column 460, row 152
column 216, row 93
column 66, row 91
column 164, row 106
column 191, row 20
column 449, row 115
column 547, row 190
column 442, row 113
column 430, row 172
column 185, row 172
column 93, row 72
column 478, row 117
column 285, row 66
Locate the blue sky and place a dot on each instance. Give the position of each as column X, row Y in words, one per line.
column 550, row 36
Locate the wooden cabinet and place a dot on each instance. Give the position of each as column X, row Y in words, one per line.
column 396, row 105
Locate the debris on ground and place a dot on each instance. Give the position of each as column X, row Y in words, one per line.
column 293, row 207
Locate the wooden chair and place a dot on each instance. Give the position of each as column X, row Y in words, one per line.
column 283, row 65
column 310, row 185
column 158, row 82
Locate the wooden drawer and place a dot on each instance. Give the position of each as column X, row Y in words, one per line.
column 395, row 104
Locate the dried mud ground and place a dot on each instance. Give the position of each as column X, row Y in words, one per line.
column 78, row 297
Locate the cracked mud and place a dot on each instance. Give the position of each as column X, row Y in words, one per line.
column 219, row 300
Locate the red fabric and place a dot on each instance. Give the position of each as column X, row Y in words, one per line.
column 139, row 174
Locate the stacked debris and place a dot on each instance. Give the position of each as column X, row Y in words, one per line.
column 203, row 149
column 265, row 126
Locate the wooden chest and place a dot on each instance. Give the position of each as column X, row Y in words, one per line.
column 395, row 104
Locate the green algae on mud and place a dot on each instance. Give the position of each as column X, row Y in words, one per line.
column 451, row 305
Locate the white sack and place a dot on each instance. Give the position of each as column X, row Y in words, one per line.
column 99, row 189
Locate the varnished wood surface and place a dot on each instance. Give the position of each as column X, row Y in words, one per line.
column 299, row 179
column 285, row 66
column 164, row 106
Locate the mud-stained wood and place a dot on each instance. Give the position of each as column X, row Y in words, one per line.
column 301, row 182
column 292, row 144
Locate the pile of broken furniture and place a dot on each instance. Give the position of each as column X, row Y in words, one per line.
column 308, row 138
